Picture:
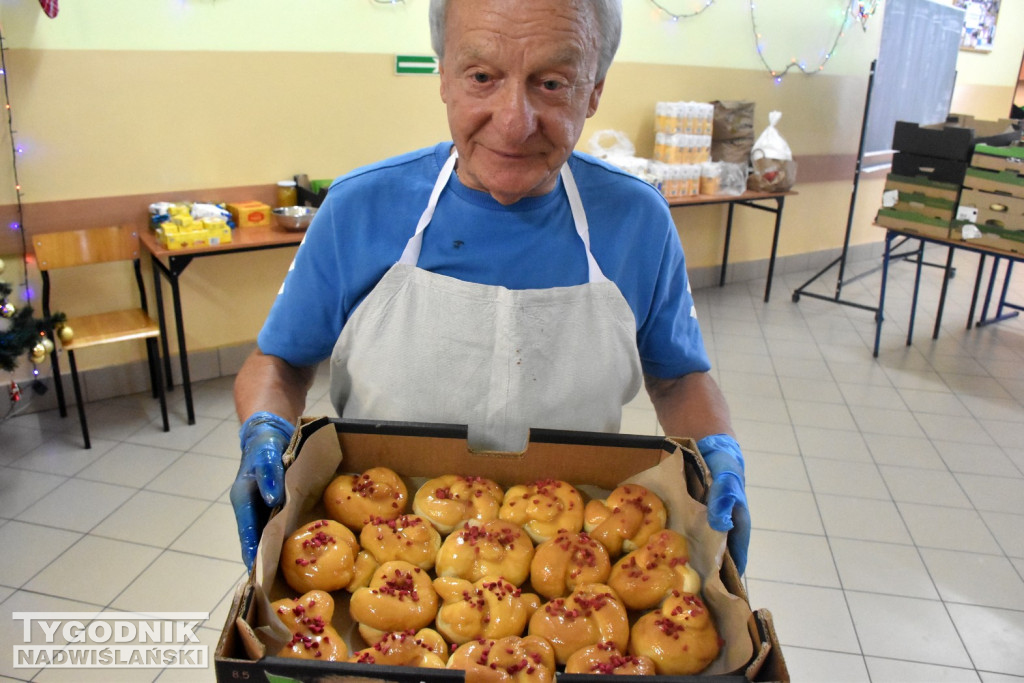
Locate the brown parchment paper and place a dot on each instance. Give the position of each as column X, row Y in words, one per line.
column 308, row 476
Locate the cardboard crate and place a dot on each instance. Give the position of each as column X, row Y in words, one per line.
column 321, row 448
column 910, row 221
column 999, row 158
column 922, row 186
column 936, row 141
column 1003, row 182
column 996, row 210
column 250, row 214
column 939, row 209
column 930, row 167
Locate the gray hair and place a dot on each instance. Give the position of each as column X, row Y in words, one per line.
column 607, row 13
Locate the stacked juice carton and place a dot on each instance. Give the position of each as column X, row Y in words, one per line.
column 682, row 148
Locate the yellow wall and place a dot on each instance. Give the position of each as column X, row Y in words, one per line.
column 136, row 97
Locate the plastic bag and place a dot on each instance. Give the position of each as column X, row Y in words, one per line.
column 732, row 135
column 773, row 168
column 610, row 143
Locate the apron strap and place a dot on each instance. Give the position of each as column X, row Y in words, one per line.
column 411, row 253
column 579, row 217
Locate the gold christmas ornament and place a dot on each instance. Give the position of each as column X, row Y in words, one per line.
column 38, row 354
column 47, row 344
column 7, row 310
column 65, row 333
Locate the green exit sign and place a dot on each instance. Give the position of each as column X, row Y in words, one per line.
column 415, row 64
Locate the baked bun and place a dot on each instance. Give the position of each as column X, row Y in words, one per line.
column 648, row 575
column 400, row 597
column 543, row 508
column 680, row 636
column 568, row 560
column 626, row 519
column 409, row 537
column 606, row 659
column 449, row 501
column 494, row 548
column 591, row 614
column 320, row 555
column 490, row 608
column 309, row 620
column 355, row 499
column 509, row 659
column 424, row 649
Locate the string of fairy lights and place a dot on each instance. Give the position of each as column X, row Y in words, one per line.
column 859, row 11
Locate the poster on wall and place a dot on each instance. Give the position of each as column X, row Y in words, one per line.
column 979, row 24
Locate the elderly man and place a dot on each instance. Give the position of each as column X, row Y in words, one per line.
column 500, row 281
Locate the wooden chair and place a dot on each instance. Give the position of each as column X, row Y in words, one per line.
column 89, row 247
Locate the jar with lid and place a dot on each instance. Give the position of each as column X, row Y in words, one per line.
column 287, row 193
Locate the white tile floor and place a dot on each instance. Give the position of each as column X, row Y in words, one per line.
column 887, row 494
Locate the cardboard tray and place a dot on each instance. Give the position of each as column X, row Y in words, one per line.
column 594, row 460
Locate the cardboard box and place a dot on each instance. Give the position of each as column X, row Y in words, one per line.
column 204, row 233
column 999, row 158
column 1003, row 182
column 910, row 221
column 996, row 210
column 941, row 141
column 922, row 186
column 594, row 462
column 250, row 214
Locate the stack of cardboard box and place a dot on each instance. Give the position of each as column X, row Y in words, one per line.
column 993, row 197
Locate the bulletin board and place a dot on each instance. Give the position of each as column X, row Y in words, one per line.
column 916, row 68
column 979, row 29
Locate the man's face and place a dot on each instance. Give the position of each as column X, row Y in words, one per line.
column 518, row 80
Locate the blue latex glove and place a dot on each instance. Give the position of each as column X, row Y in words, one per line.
column 727, row 500
column 264, row 438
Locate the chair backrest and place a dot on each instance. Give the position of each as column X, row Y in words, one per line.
column 82, row 247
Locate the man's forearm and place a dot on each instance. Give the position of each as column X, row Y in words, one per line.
column 689, row 406
column 268, row 383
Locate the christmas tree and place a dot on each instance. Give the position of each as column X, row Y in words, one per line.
column 20, row 332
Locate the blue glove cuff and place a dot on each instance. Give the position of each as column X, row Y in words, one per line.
column 251, row 426
column 722, row 454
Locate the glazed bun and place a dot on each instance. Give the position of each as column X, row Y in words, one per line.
column 309, row 619
column 424, row 649
column 608, row 660
column 494, row 548
column 543, row 508
column 355, row 499
column 680, row 636
column 490, row 608
column 409, row 537
column 399, row 597
column 568, row 560
column 626, row 519
column 511, row 659
column 320, row 555
column 449, row 501
column 650, row 574
column 591, row 614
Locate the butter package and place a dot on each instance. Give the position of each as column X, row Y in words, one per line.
column 250, row 214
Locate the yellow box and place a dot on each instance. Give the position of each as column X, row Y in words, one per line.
column 208, row 232
column 250, row 214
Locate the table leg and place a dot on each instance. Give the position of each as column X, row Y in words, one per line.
column 728, row 238
column 186, row 381
column 158, row 293
column 917, row 289
column 977, row 287
column 942, row 293
column 879, row 316
column 988, row 291
column 775, row 248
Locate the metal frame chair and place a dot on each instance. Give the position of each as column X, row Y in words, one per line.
column 77, row 248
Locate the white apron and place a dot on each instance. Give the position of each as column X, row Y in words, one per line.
column 424, row 347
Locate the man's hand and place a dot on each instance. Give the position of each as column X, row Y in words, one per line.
column 727, row 500
column 264, row 438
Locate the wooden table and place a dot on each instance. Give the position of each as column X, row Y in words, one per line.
column 953, row 245
column 172, row 262
column 754, row 200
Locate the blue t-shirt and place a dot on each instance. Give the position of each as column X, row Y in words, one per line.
column 370, row 214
